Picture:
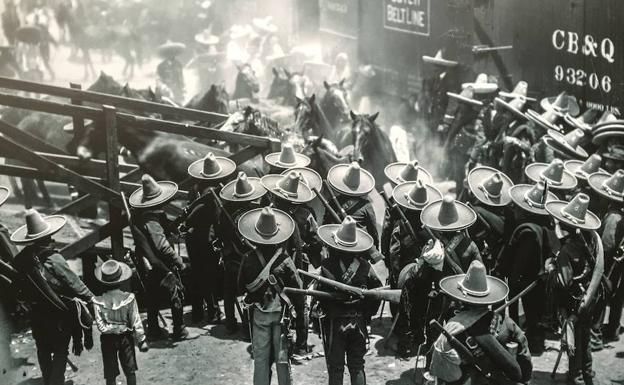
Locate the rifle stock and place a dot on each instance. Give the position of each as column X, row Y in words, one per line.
column 343, row 213
column 139, row 267
column 327, row 206
column 404, row 219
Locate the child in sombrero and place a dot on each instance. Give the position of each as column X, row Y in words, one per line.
column 117, row 318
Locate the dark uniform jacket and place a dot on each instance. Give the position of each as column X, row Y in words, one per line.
column 403, row 249
column 163, row 257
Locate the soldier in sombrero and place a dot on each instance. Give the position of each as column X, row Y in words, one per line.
column 571, row 282
column 170, row 70
column 49, row 286
column 199, row 225
column 345, row 322
column 265, row 273
column 292, row 193
column 163, row 280
column 497, row 343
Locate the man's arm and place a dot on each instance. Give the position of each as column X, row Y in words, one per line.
column 162, row 246
column 63, row 273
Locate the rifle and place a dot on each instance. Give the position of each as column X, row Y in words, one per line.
column 404, row 219
column 327, row 206
column 139, row 267
column 343, row 213
column 316, row 293
column 393, row 296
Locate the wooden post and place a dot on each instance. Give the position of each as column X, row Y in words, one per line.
column 77, row 121
column 112, row 176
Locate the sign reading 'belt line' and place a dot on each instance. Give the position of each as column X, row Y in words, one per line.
column 409, row 16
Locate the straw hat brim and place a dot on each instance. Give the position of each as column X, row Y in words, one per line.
column 534, row 172
column 206, row 39
column 429, row 217
column 517, row 194
column 596, row 181
column 574, row 167
column 481, row 88
column 363, row 240
column 516, row 112
column 565, row 149
column 265, row 26
column 613, row 125
column 274, row 160
column 169, row 189
column 537, row 119
column 247, row 227
column 399, row 193
column 4, row 194
column 228, row 191
column 573, row 107
column 602, row 136
column 126, row 273
column 478, row 175
column 169, row 50
column 304, row 194
column 336, row 175
column 438, row 61
column 616, row 156
column 513, row 95
column 498, row 290
column 312, row 178
column 592, row 222
column 464, row 99
column 577, row 122
column 196, row 169
column 393, row 172
column 56, row 223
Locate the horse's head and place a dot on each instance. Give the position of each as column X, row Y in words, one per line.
column 279, row 84
column 89, row 142
column 303, row 115
column 323, row 154
column 106, row 84
column 247, row 77
column 337, row 98
column 216, row 99
column 363, row 131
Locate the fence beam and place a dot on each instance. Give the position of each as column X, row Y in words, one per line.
column 112, row 176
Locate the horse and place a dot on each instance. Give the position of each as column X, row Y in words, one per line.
column 335, row 105
column 310, row 119
column 216, row 99
column 287, row 86
column 371, row 145
column 247, row 84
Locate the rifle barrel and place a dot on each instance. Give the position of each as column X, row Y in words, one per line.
column 406, row 222
column 328, row 208
column 343, row 213
column 351, row 290
column 314, row 293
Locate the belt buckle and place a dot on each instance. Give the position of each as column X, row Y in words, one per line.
column 272, row 280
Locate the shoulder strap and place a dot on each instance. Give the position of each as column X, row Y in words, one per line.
column 354, row 205
column 350, row 271
column 264, row 273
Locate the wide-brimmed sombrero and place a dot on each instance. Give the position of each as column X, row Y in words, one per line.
column 287, row 158
column 466, row 96
column 438, row 59
column 514, row 106
column 350, row 179
column 345, row 236
column 415, row 195
column 112, row 272
column 490, row 186
column 289, row 187
column 238, row 31
column 608, row 185
column 212, row 167
column 206, row 37
column 37, row 227
column 520, row 91
column 309, row 177
column 574, row 213
column 400, row 172
column 447, row 214
column 4, row 194
column 170, row 49
column 554, row 173
column 475, row 287
column 152, row 193
column 548, row 120
column 482, row 85
column 582, row 170
column 265, row 24
column 584, row 121
column 608, row 121
column 568, row 145
column 266, row 226
column 243, row 189
column 532, row 198
column 604, row 136
column 561, row 104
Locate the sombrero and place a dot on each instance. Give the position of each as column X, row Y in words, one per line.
column 211, row 167
column 112, row 272
column 532, row 198
column 170, row 49
column 554, row 173
column 287, row 158
column 309, row 177
column 561, row 104
column 206, row 37
column 490, row 186
column 4, row 194
column 568, row 144
column 288, row 187
column 514, row 106
column 266, row 226
column 29, row 34
column 243, row 189
column 607, row 185
column 475, row 287
column 548, row 120
column 574, row 213
column 447, row 214
column 152, row 193
column 350, row 179
column 400, row 172
column 585, row 121
column 607, row 121
column 37, row 227
column 482, row 85
column 415, row 195
column 238, row 31
column 583, row 170
column 345, row 236
column 611, row 134
column 520, row 91
column 466, row 96
column 265, row 24
column 438, row 59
